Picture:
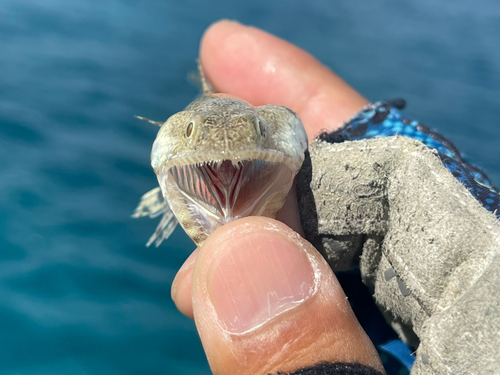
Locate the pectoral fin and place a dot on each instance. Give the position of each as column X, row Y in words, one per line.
column 152, row 204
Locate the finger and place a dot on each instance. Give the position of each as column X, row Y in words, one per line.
column 289, row 212
column 263, row 69
column 181, row 286
column 265, row 301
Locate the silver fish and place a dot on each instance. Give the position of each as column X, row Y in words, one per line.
column 219, row 160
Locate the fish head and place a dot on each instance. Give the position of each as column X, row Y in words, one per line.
column 222, row 159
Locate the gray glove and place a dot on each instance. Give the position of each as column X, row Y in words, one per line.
column 424, row 244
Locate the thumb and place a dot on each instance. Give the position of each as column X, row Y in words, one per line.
column 265, row 301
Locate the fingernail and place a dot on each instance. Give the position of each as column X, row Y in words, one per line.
column 262, row 275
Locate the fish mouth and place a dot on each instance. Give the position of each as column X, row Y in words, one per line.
column 217, row 192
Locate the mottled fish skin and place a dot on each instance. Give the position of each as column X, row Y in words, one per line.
column 212, row 129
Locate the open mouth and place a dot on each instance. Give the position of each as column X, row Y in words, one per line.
column 217, row 192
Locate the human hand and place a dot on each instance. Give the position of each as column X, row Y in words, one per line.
column 262, row 297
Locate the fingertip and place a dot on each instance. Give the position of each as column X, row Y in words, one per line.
column 224, row 61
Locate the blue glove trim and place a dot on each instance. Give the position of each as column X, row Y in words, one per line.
column 400, row 351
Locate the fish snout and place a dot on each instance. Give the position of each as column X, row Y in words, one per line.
column 227, row 133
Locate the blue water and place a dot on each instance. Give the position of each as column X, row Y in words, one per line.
column 79, row 292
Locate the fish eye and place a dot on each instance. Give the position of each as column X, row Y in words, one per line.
column 260, row 127
column 189, row 129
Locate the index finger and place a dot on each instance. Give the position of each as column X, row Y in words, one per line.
column 263, row 69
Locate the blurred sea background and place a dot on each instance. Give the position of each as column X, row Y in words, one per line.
column 79, row 292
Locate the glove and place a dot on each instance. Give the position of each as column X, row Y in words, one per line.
column 421, row 224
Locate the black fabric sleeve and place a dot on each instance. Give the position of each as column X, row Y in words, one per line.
column 336, row 368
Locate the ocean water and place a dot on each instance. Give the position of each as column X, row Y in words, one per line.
column 79, row 292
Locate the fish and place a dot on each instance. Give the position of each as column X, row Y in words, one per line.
column 218, row 160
